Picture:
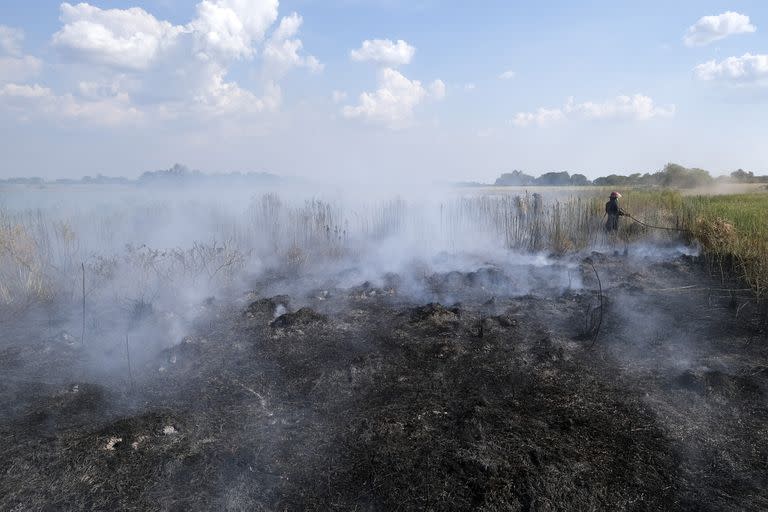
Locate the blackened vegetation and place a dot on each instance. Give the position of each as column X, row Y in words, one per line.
column 267, row 307
column 363, row 399
column 305, row 317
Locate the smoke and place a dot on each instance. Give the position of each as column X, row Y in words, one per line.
column 198, row 295
column 157, row 259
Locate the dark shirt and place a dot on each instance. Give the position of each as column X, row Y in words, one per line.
column 612, row 208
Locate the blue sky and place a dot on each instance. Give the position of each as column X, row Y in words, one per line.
column 441, row 90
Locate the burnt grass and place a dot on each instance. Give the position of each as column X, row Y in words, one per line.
column 365, row 399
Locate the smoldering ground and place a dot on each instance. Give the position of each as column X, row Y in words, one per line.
column 380, row 357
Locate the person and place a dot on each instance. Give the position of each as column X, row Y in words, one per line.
column 613, row 212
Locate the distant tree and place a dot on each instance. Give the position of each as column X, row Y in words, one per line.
column 675, row 175
column 742, row 176
column 25, row 181
column 611, row 180
column 672, row 175
column 515, row 179
column 579, row 180
column 176, row 174
column 554, row 179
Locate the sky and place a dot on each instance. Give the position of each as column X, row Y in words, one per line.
column 370, row 91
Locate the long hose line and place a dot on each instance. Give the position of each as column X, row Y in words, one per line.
column 657, row 227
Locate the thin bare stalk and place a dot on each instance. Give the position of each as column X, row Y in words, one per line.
column 82, row 336
column 128, row 358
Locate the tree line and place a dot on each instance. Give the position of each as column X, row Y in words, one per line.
column 175, row 176
column 672, row 175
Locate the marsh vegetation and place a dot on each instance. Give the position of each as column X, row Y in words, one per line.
column 468, row 349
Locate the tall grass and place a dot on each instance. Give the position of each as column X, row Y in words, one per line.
column 731, row 229
column 40, row 256
column 734, row 230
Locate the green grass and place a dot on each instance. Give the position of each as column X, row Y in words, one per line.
column 735, row 229
column 732, row 229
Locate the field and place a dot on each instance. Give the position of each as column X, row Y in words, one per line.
column 440, row 350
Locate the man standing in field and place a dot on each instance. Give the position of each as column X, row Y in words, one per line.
column 613, row 212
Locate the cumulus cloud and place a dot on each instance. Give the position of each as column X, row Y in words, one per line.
column 224, row 30
column 507, row 75
column 19, row 69
column 229, row 28
column 104, row 103
column 747, row 69
column 224, row 97
column 128, row 55
column 36, row 101
column 10, row 40
column 24, row 92
column 131, row 39
column 541, row 117
column 385, row 52
column 14, row 65
column 281, row 52
column 714, row 28
column 393, row 103
column 637, row 107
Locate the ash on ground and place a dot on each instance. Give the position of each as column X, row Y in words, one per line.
column 478, row 389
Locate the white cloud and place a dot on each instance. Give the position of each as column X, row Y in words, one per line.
column 507, row 75
column 394, row 101
column 14, row 65
column 92, row 90
column 104, row 104
column 134, row 39
column 229, row 28
column 385, row 52
column 281, row 52
column 542, row 117
column 19, row 69
column 470, row 87
column 172, row 71
column 256, row 16
column 396, row 98
column 745, row 69
column 25, row 92
column 36, row 101
column 223, row 97
column 437, row 90
column 10, row 40
column 713, row 28
column 131, row 39
column 637, row 107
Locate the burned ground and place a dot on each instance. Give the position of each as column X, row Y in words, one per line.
column 367, row 398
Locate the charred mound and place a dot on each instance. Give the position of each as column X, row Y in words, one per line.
column 435, row 317
column 267, row 306
column 301, row 318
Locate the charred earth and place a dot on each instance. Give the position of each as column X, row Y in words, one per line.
column 467, row 395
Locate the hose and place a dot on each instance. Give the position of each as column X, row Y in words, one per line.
column 656, row 227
